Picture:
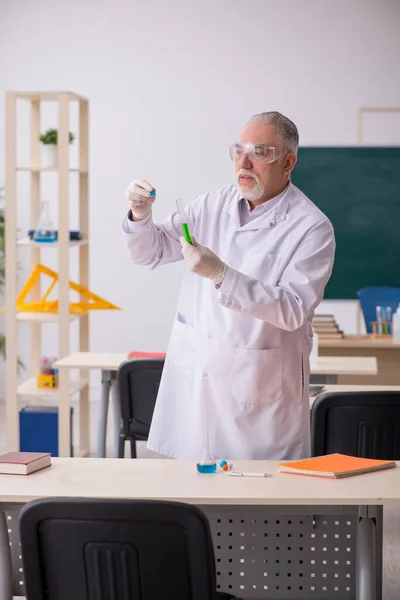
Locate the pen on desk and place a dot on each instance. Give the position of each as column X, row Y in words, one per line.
column 248, row 474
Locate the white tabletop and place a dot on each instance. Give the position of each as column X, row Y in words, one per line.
column 178, row 480
column 345, row 365
column 107, row 361
column 326, row 365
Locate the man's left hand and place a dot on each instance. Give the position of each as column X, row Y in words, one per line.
column 202, row 261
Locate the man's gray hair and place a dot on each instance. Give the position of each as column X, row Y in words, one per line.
column 287, row 130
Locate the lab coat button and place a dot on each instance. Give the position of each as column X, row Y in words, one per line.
column 204, row 374
column 209, row 336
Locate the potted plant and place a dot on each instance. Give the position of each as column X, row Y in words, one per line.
column 49, row 140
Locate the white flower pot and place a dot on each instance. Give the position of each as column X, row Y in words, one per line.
column 49, row 156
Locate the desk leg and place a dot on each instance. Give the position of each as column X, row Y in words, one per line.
column 116, row 405
column 367, row 587
column 103, row 410
column 64, row 415
column 5, row 560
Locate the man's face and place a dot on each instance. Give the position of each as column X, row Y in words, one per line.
column 258, row 179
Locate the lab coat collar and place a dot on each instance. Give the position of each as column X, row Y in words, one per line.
column 266, row 220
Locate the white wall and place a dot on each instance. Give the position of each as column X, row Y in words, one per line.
column 170, row 84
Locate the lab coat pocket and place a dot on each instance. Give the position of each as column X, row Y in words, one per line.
column 181, row 346
column 257, row 376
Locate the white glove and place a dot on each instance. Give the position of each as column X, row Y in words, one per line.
column 139, row 197
column 202, row 261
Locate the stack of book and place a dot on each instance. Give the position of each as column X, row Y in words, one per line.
column 325, row 326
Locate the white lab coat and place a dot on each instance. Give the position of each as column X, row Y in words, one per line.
column 241, row 352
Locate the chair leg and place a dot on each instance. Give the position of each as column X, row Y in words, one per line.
column 121, row 447
column 133, row 449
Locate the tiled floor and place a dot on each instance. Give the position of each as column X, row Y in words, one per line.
column 142, row 451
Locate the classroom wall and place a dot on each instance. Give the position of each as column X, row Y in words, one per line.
column 170, row 84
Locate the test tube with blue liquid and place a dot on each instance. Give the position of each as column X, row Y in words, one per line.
column 206, row 464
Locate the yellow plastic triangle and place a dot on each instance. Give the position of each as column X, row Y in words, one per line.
column 94, row 302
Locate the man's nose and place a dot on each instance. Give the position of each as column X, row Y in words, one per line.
column 245, row 162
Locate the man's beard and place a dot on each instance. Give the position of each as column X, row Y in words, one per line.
column 254, row 193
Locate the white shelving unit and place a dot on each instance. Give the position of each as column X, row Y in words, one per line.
column 63, row 245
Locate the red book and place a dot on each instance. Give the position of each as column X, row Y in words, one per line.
column 135, row 354
column 23, row 463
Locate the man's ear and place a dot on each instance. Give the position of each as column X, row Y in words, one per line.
column 290, row 161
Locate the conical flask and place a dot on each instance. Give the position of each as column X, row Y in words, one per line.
column 45, row 231
column 206, row 464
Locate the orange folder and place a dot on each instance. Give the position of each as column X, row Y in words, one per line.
column 334, row 466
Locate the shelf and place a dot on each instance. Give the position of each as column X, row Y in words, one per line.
column 30, row 388
column 38, row 317
column 74, row 167
column 26, row 241
column 49, row 169
column 48, row 96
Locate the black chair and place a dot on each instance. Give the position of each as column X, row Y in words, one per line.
column 138, row 382
column 363, row 424
column 97, row 549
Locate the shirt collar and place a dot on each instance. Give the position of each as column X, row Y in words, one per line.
column 265, row 206
column 270, row 212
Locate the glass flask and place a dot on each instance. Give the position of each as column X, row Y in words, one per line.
column 206, row 464
column 45, row 231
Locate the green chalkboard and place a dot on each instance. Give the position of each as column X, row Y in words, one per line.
column 358, row 188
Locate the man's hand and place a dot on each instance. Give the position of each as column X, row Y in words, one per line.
column 202, row 261
column 140, row 195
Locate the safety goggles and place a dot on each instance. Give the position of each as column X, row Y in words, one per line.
column 256, row 152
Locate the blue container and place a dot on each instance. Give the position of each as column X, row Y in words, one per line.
column 38, row 429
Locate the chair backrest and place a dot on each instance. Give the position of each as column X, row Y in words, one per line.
column 364, row 424
column 92, row 549
column 138, row 382
column 371, row 297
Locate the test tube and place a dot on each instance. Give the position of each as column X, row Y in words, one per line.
column 182, row 216
column 379, row 318
column 389, row 318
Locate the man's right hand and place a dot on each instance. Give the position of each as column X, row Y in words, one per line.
column 140, row 199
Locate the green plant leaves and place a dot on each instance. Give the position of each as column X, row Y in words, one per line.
column 51, row 137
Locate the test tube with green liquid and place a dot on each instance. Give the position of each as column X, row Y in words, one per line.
column 185, row 228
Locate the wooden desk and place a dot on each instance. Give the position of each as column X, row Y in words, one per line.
column 386, row 353
column 250, row 519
